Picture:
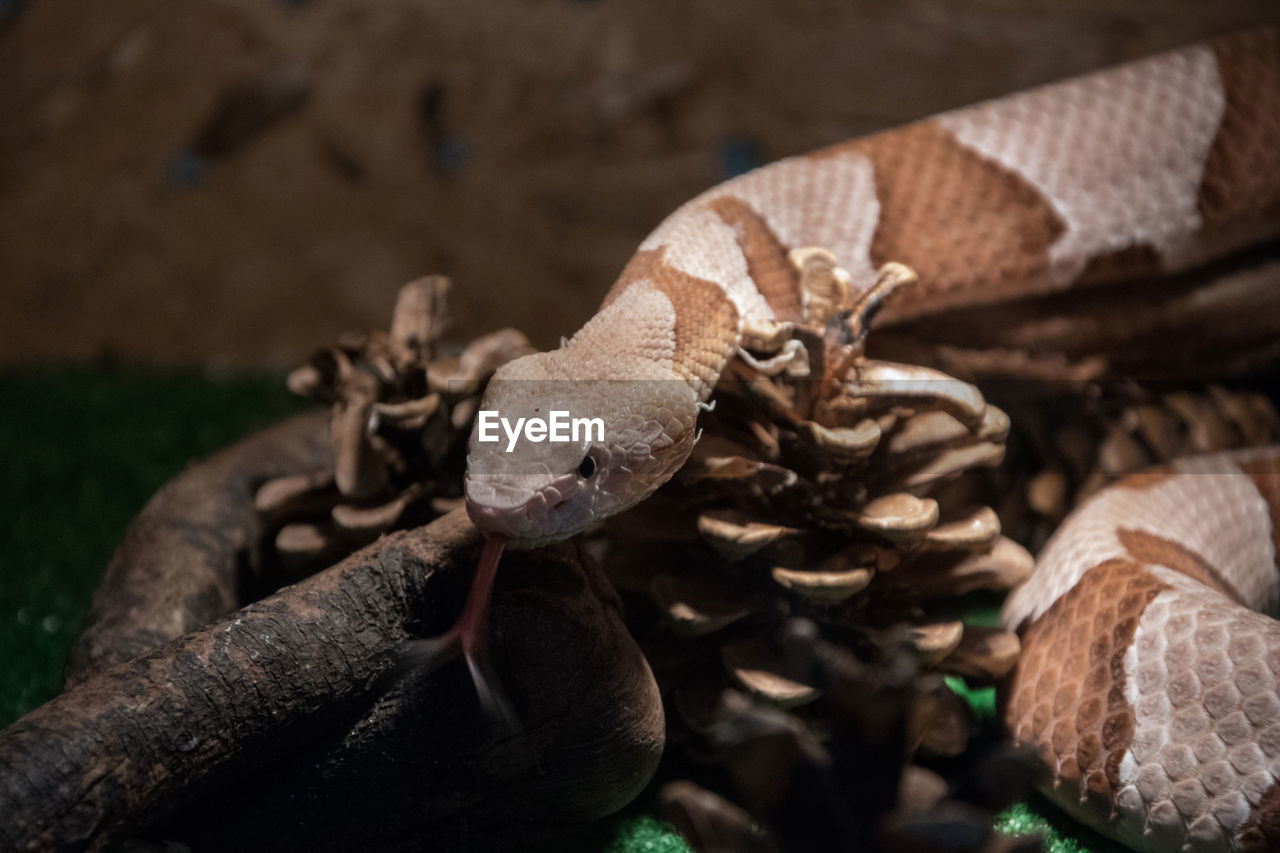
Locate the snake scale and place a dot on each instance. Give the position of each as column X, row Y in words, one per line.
column 1148, row 683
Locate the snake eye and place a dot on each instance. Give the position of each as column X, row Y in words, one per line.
column 586, row 467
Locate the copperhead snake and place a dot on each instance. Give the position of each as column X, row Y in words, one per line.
column 1147, row 682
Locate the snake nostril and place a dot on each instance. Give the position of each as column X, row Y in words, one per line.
column 559, row 504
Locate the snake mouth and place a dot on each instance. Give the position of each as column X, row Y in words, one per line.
column 535, row 521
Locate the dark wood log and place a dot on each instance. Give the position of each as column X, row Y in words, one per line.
column 180, row 564
column 300, row 723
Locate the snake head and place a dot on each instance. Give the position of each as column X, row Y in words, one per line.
column 622, row 438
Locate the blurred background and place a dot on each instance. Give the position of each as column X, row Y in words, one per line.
column 235, row 182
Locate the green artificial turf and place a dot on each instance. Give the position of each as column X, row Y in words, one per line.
column 83, row 448
column 1061, row 833
column 646, row 835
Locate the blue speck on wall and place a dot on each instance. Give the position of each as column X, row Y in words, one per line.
column 739, row 154
column 10, row 9
column 186, row 170
column 449, row 154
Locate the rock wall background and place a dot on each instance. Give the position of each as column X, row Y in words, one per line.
column 236, row 181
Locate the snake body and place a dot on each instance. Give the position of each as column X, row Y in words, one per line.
column 1147, row 683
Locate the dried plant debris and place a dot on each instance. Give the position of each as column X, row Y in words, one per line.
column 835, row 774
column 401, row 406
column 812, row 488
column 1071, row 444
column 784, row 580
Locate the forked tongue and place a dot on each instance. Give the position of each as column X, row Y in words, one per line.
column 470, row 635
column 473, row 630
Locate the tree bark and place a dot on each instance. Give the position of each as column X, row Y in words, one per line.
column 181, row 564
column 299, row 722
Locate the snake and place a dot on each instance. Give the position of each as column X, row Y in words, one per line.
column 1148, row 680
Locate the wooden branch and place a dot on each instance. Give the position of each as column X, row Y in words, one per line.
column 177, row 568
column 298, row 722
